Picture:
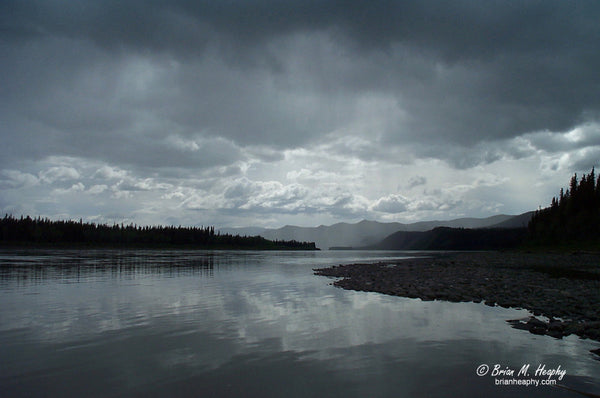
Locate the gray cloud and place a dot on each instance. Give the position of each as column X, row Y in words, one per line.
column 587, row 135
column 415, row 181
column 200, row 95
column 392, row 204
column 463, row 70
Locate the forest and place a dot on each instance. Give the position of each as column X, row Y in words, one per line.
column 573, row 217
column 45, row 232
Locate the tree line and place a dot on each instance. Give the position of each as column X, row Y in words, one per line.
column 43, row 231
column 573, row 217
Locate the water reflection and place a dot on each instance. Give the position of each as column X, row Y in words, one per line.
column 149, row 323
column 19, row 268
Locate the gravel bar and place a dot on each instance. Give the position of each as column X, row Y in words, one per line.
column 563, row 288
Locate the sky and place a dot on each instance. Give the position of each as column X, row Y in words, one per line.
column 265, row 113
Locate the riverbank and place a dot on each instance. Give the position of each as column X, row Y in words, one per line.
column 563, row 288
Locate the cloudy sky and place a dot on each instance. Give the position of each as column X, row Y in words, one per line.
column 268, row 112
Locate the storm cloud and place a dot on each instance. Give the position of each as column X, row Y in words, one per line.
column 270, row 112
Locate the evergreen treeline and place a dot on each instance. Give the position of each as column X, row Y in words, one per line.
column 573, row 217
column 26, row 230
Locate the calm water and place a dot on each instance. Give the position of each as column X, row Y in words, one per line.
column 228, row 324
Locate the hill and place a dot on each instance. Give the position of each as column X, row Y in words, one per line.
column 368, row 233
column 520, row 221
column 444, row 238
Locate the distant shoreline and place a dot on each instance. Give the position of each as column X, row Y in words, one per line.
column 27, row 231
column 111, row 246
column 564, row 288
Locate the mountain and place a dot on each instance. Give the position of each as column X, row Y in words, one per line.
column 444, row 238
column 520, row 221
column 340, row 234
column 459, row 223
column 365, row 233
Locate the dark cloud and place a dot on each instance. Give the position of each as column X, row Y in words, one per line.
column 177, row 89
column 462, row 71
column 455, row 30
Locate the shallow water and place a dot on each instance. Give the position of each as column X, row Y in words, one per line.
column 229, row 323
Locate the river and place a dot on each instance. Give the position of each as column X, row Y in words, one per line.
column 77, row 323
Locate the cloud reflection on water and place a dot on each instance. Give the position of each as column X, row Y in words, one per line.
column 184, row 320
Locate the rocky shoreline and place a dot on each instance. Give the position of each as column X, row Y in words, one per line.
column 563, row 288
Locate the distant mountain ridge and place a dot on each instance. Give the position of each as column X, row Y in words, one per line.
column 520, row 221
column 368, row 233
column 444, row 238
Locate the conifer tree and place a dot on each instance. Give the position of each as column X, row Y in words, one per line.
column 573, row 217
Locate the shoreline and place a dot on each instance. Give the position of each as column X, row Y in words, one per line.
column 117, row 246
column 564, row 288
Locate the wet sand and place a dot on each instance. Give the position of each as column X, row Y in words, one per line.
column 561, row 290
